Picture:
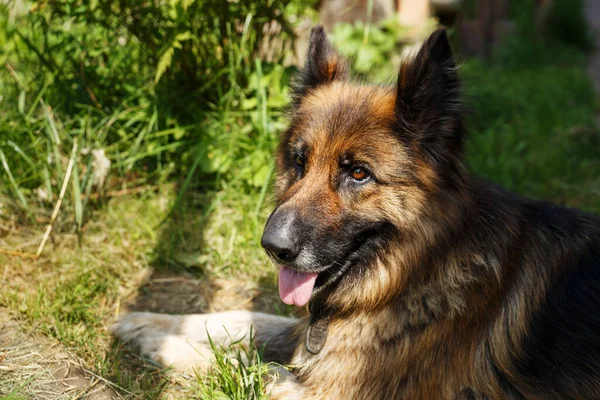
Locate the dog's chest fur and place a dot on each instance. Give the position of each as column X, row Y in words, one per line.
column 400, row 351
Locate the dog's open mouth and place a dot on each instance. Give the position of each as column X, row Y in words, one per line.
column 295, row 287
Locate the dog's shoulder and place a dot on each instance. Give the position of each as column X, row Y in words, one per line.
column 561, row 351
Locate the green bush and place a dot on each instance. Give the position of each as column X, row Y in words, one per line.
column 532, row 131
column 567, row 24
column 100, row 53
column 169, row 88
column 562, row 38
column 374, row 49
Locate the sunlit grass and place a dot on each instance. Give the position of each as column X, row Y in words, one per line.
column 532, row 130
column 238, row 373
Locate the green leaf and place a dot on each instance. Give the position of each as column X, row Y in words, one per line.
column 167, row 56
column 249, row 104
column 50, row 126
column 178, row 133
column 185, row 4
column 261, row 176
column 183, row 36
column 367, row 57
column 13, row 182
column 342, row 33
column 277, row 100
column 164, row 63
column 21, row 105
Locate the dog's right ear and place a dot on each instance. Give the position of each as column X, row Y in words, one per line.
column 323, row 65
column 428, row 103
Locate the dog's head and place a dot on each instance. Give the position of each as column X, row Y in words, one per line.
column 360, row 166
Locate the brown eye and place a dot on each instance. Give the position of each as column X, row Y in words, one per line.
column 299, row 161
column 359, row 174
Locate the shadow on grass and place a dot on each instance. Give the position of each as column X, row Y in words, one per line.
column 193, row 271
column 190, row 275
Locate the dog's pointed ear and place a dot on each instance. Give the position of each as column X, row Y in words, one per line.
column 323, row 65
column 428, row 103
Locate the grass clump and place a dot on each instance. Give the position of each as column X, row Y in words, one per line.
column 74, row 293
column 237, row 374
column 171, row 90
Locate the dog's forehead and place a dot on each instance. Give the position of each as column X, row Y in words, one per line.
column 340, row 116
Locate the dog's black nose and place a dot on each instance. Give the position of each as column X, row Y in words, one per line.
column 279, row 238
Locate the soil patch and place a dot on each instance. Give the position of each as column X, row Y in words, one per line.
column 35, row 367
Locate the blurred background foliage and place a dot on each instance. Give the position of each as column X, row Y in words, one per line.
column 163, row 88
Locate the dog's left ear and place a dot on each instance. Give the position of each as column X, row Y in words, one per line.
column 428, row 103
column 323, row 65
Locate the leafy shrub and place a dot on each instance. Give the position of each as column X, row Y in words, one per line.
column 165, row 88
column 374, row 49
column 567, row 24
column 562, row 38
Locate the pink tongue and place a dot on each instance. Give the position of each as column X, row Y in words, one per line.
column 295, row 287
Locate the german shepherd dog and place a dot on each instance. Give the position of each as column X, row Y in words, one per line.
column 422, row 281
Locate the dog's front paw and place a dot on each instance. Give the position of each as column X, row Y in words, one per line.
column 158, row 337
column 135, row 324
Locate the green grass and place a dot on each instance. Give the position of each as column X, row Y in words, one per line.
column 238, row 373
column 199, row 183
column 533, row 131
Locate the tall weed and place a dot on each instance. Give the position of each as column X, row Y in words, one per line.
column 163, row 89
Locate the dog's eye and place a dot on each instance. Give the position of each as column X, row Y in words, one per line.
column 299, row 165
column 359, row 174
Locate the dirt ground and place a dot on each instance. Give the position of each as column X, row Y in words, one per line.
column 43, row 369
column 38, row 367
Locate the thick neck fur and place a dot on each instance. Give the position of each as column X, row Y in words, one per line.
column 440, row 266
column 441, row 279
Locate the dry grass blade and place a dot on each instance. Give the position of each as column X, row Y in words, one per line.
column 77, row 200
column 54, row 212
column 60, row 198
